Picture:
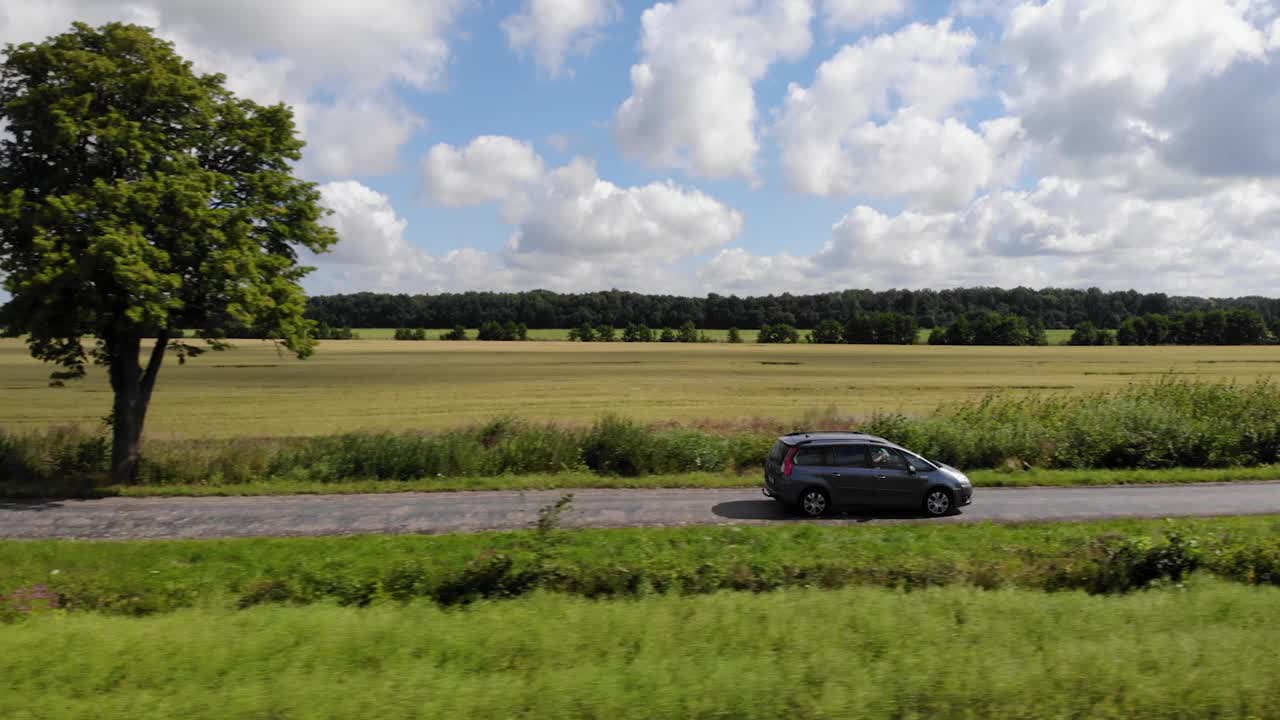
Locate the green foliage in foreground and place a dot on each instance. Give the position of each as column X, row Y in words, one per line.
column 146, row 577
column 1200, row 652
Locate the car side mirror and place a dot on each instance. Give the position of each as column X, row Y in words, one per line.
column 911, row 469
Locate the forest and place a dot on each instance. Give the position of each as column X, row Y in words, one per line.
column 536, row 309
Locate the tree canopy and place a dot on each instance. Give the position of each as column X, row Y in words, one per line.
column 139, row 197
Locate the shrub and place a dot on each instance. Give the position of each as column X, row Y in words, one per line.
column 582, row 333
column 457, row 333
column 778, row 334
column 493, row 330
column 688, row 333
column 637, row 333
column 616, row 446
column 828, row 332
column 733, row 336
column 667, row 335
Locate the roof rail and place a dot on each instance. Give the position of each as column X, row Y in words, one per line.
column 832, row 432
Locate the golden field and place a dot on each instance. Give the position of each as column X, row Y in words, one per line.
column 383, row 384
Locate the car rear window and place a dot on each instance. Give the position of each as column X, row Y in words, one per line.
column 811, row 455
column 778, row 452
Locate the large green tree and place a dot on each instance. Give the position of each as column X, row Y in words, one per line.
column 138, row 197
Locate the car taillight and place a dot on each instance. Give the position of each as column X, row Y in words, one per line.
column 790, row 462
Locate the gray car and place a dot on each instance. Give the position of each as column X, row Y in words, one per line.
column 816, row 471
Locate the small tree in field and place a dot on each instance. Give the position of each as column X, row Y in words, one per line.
column 733, row 336
column 137, row 198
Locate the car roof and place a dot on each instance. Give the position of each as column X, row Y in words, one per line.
column 802, row 438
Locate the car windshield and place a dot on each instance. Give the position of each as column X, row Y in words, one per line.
column 919, row 463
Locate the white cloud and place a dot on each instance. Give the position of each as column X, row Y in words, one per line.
column 878, row 121
column 574, row 213
column 857, row 14
column 1186, row 83
column 489, row 168
column 693, row 102
column 373, row 254
column 1062, row 233
column 554, row 29
column 361, row 137
column 571, row 229
column 330, row 60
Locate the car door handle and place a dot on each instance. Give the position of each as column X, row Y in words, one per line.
column 835, row 474
column 882, row 477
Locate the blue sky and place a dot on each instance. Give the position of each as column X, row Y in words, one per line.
column 758, row 146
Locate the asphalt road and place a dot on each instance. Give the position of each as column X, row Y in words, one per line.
column 121, row 518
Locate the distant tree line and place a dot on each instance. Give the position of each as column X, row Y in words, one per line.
column 1216, row 327
column 990, row 328
column 862, row 329
column 1052, row 307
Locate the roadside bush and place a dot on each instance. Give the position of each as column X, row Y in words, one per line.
column 65, row 457
column 616, row 446
column 1124, row 564
column 677, row 451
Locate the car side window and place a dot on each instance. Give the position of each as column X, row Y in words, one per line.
column 849, row 455
column 811, row 455
column 883, row 458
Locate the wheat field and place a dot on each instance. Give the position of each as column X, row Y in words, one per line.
column 382, row 384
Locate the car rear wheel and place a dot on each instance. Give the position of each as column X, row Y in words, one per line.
column 814, row 502
column 938, row 502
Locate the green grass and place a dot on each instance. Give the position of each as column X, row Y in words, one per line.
column 588, row 480
column 142, row 577
column 253, row 391
column 1205, row 651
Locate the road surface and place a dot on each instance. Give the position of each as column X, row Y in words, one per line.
column 123, row 518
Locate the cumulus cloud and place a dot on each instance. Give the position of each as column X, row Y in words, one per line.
column 1061, row 233
column 334, row 62
column 878, row 120
column 857, row 14
column 490, row 168
column 571, row 228
column 575, row 213
column 692, row 102
column 554, row 29
column 372, row 252
column 1191, row 85
column 360, row 137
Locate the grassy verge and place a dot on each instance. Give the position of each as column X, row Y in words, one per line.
column 1141, row 433
column 579, row 480
column 1203, row 651
column 146, row 577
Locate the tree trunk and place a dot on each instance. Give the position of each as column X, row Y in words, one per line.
column 132, row 386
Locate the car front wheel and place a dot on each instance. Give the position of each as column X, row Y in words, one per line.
column 814, row 502
column 938, row 502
